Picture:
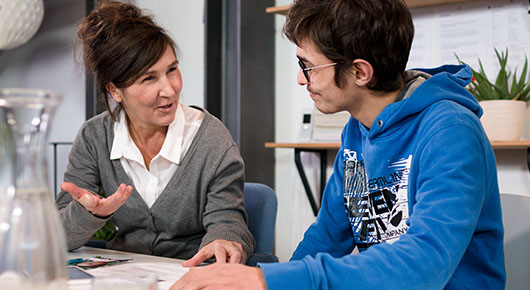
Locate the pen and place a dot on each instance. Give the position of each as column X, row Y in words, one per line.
column 75, row 261
column 119, row 261
column 108, row 260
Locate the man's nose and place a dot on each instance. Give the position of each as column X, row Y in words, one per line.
column 300, row 78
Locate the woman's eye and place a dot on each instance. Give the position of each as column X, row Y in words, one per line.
column 147, row 79
column 172, row 69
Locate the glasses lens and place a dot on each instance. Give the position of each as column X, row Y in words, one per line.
column 304, row 71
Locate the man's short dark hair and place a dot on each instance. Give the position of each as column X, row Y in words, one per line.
column 378, row 31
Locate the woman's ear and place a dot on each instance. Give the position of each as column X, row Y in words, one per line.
column 114, row 92
column 362, row 71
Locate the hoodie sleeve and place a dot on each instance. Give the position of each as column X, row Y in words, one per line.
column 450, row 193
column 331, row 232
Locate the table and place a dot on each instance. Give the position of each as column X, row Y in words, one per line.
column 161, row 266
column 322, row 149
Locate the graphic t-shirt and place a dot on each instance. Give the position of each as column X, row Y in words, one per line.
column 377, row 207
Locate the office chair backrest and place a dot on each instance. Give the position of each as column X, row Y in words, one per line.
column 516, row 220
column 261, row 205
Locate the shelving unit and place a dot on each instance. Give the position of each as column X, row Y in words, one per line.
column 323, row 148
column 283, row 10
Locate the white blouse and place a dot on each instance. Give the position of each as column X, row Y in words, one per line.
column 150, row 183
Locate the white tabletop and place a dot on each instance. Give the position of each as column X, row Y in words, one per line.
column 88, row 252
column 167, row 270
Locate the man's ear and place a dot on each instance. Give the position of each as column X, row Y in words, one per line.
column 114, row 92
column 362, row 71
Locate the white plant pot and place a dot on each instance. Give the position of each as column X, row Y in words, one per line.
column 503, row 120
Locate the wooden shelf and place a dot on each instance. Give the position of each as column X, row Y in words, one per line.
column 427, row 3
column 283, row 10
column 521, row 144
column 312, row 145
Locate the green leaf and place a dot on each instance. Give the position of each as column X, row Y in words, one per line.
column 506, row 86
column 105, row 233
column 525, row 93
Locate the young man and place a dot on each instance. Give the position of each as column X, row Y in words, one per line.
column 414, row 186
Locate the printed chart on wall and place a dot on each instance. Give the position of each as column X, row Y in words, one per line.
column 471, row 30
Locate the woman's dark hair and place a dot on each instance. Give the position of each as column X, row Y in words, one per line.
column 378, row 31
column 119, row 44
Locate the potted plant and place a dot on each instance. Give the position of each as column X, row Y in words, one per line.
column 504, row 101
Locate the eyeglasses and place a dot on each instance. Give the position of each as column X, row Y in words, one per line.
column 306, row 70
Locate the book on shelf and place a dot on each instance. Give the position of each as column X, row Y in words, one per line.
column 328, row 127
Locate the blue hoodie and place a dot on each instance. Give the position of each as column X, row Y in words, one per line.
column 417, row 194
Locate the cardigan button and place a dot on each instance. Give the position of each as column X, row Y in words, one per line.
column 380, row 123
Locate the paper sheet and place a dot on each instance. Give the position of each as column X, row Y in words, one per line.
column 471, row 30
column 167, row 273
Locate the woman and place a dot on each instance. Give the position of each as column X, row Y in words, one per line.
column 168, row 176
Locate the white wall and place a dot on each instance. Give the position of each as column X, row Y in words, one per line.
column 183, row 20
column 46, row 62
column 294, row 212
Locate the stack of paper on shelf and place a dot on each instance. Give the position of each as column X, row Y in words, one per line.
column 328, row 127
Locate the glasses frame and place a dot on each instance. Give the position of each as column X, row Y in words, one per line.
column 306, row 70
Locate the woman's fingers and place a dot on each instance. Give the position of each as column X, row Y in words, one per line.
column 94, row 203
column 198, row 258
column 235, row 256
column 120, row 196
column 109, row 205
column 89, row 201
column 75, row 191
column 86, row 198
column 223, row 250
column 220, row 255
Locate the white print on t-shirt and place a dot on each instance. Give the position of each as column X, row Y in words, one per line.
column 377, row 208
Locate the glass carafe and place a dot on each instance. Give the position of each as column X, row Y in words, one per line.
column 32, row 241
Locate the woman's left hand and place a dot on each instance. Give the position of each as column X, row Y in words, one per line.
column 224, row 251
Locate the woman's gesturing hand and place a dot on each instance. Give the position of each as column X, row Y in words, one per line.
column 96, row 204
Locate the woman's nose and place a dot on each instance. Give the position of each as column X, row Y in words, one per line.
column 167, row 88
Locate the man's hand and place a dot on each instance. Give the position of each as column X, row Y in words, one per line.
column 94, row 203
column 222, row 276
column 223, row 250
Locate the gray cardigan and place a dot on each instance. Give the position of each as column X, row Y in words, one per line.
column 202, row 202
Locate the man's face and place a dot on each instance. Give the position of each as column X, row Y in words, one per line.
column 322, row 89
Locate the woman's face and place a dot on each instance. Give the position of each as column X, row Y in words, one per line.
column 151, row 101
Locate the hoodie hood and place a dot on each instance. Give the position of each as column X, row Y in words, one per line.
column 445, row 83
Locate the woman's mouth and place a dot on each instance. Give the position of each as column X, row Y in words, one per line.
column 165, row 107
